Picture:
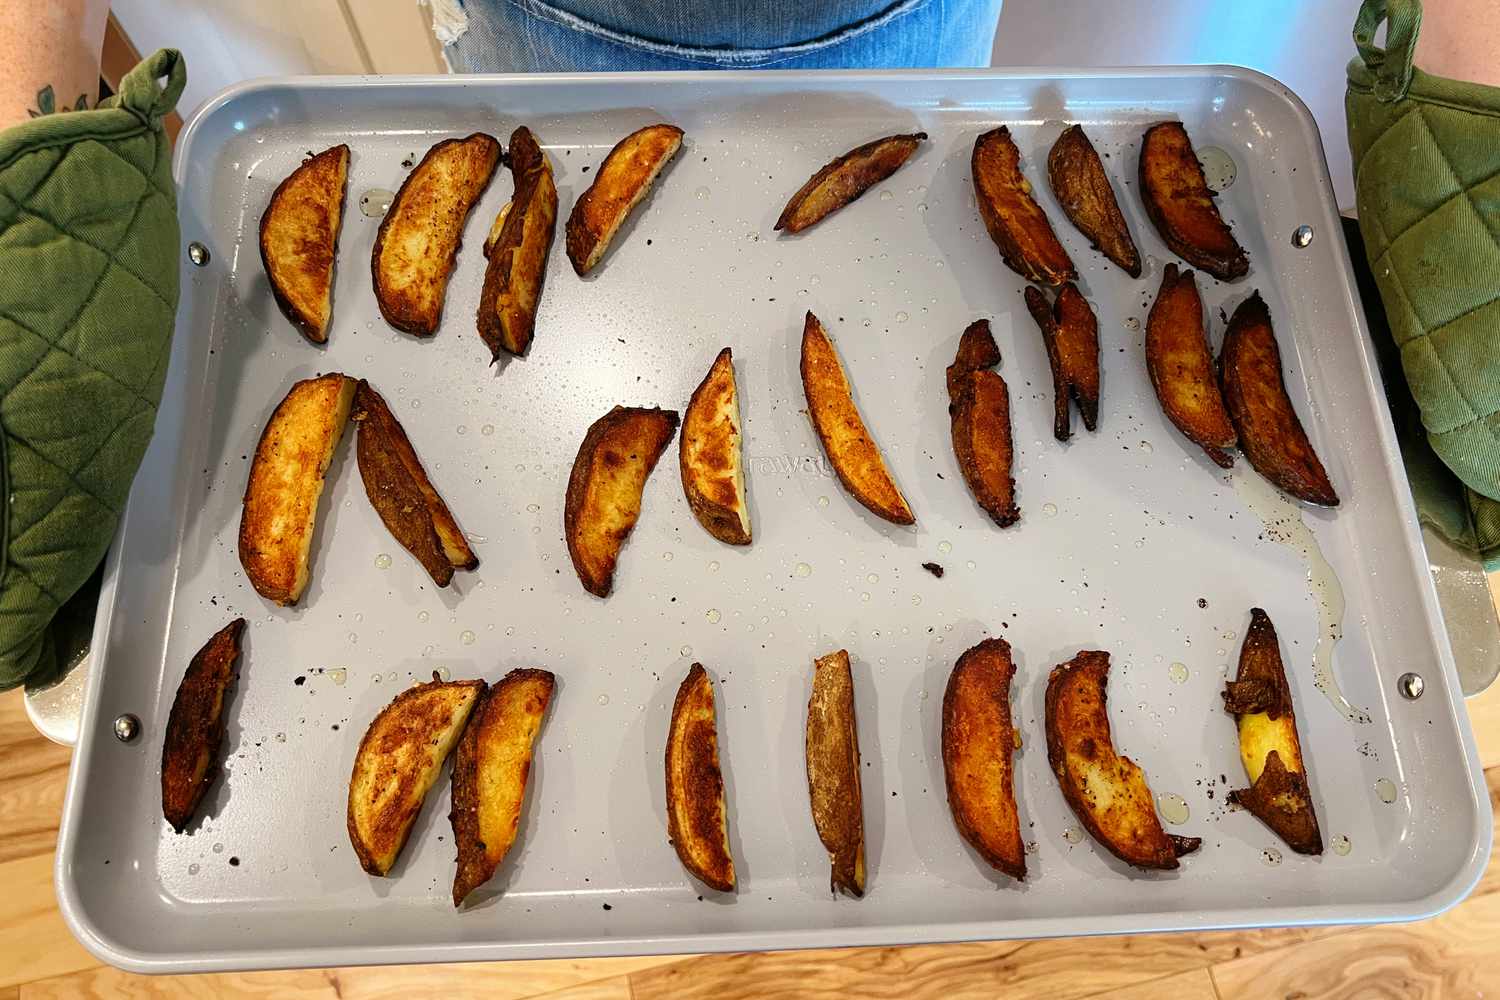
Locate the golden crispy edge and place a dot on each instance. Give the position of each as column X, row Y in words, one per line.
column 1082, row 188
column 846, row 178
column 850, row 449
column 1175, row 327
column 516, row 272
column 307, row 181
column 697, row 820
column 982, row 443
column 1270, row 433
column 1181, row 206
column 1017, row 224
column 833, row 782
column 620, row 183
column 706, row 452
column 195, row 727
column 278, row 567
column 979, row 739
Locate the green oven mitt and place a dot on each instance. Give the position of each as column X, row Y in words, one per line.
column 88, row 297
column 1427, row 185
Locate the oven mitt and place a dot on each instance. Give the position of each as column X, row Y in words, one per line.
column 1427, row 185
column 88, row 296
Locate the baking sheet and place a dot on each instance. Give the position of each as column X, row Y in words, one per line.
column 1130, row 540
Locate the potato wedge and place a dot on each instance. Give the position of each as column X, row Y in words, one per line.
column 195, row 727
column 1270, row 434
column 1071, row 335
column 398, row 760
column 1181, row 367
column 299, row 239
column 845, row 179
column 604, row 491
column 401, row 493
column 623, row 179
column 286, row 482
column 979, row 739
column 418, row 240
column 833, row 772
column 850, row 449
column 518, row 246
column 979, row 411
column 713, row 469
column 1260, row 700
column 1082, row 188
column 490, row 769
column 697, row 822
column 1180, row 205
column 1015, row 221
column 1106, row 790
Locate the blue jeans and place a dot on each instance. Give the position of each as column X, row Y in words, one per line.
column 507, row 36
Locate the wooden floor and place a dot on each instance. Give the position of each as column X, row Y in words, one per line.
column 1456, row 955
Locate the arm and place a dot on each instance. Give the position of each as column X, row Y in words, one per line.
column 46, row 43
column 1461, row 39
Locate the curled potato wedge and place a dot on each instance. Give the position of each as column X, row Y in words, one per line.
column 1181, row 367
column 979, row 740
column 1015, row 221
column 833, row 772
column 195, row 727
column 517, row 249
column 623, row 179
column 845, row 179
column 1181, row 206
column 713, row 470
column 1106, row 790
column 1071, row 335
column 1082, row 188
column 979, row 412
column 1270, row 434
column 697, row 822
column 299, row 238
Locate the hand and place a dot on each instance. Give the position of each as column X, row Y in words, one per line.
column 49, row 56
column 1461, row 39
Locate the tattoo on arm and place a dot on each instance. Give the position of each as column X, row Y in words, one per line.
column 46, row 103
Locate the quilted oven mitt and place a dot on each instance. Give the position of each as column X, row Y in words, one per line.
column 1427, row 184
column 88, row 296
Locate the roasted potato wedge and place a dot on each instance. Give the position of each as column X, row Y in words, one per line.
column 1082, row 188
column 1016, row 222
column 518, row 246
column 1180, row 205
column 604, row 491
column 1182, row 369
column 623, row 179
column 713, row 470
column 299, row 239
column 979, row 408
column 1071, row 334
column 401, row 493
column 1269, row 432
column 697, row 822
column 490, row 768
column 1106, row 790
column 195, row 727
column 286, row 482
column 850, row 449
column 418, row 240
column 833, row 772
column 398, row 760
column 1260, row 700
column 979, row 739
column 845, row 179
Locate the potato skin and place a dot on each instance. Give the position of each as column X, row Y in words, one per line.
column 1181, row 367
column 195, row 728
column 1082, row 188
column 1181, row 206
column 979, row 740
column 833, row 781
column 1015, row 221
column 845, row 179
column 622, row 180
column 979, row 415
column 1071, row 335
column 516, row 271
column 299, row 238
column 709, row 458
column 697, row 822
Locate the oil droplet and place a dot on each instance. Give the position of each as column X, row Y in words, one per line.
column 353, row 638
column 1146, row 447
column 193, row 868
column 702, row 194
column 375, row 202
column 339, row 675
column 281, row 737
column 822, row 501
column 666, row 557
column 1178, row 672
column 218, row 848
column 1341, row 845
column 462, row 429
column 886, row 195
column 713, row 567
column 1073, row 835
column 442, row 673
column 971, row 564
column 1049, row 509
column 422, row 616
column 873, row 578
column 916, row 598
column 604, row 699
column 375, row 679
column 903, row 316
column 803, row 569
column 945, row 547
column 686, row 651
column 713, row 615
column 533, row 508
column 1386, row 789
column 391, row 676
column 1218, row 167
column 1271, row 856
column 383, row 561
column 1173, row 807
column 1132, row 323
column 865, row 597
column 487, row 430
column 466, row 637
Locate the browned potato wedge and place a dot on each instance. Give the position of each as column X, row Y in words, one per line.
column 195, row 727
column 401, row 493
column 1181, row 206
column 604, row 491
column 622, row 180
column 850, row 449
column 833, row 772
column 696, row 819
column 286, row 482
column 1270, row 434
column 1260, row 700
column 1016, row 222
column 299, row 239
column 398, row 760
column 1082, row 188
column 418, row 240
column 845, row 179
column 713, row 470
column 1071, row 334
column 979, row 739
column 490, row 769
column 1182, row 370
column 1106, row 790
column 979, row 408
column 518, row 246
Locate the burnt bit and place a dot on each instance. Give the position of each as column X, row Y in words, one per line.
column 934, row 568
